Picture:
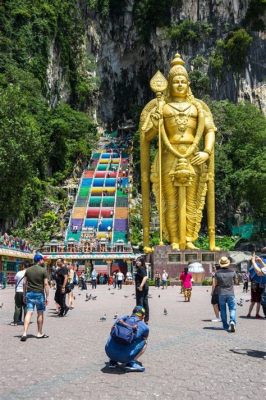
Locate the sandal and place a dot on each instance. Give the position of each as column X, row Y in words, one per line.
column 42, row 337
column 23, row 338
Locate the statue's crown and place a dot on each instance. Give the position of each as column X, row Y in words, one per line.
column 177, row 60
column 177, row 67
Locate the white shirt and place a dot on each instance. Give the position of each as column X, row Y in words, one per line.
column 19, row 281
column 120, row 276
column 164, row 276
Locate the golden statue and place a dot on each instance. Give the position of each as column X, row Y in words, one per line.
column 181, row 174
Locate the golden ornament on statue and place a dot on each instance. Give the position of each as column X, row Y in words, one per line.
column 158, row 83
column 183, row 169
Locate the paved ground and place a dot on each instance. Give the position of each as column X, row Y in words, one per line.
column 188, row 356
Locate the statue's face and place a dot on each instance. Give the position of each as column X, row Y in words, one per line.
column 179, row 86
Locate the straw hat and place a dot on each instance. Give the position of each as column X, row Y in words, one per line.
column 224, row 262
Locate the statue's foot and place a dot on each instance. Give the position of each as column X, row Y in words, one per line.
column 191, row 246
column 215, row 248
column 148, row 250
column 175, row 246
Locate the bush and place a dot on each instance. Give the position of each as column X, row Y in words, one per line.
column 231, row 52
column 188, row 31
column 206, row 282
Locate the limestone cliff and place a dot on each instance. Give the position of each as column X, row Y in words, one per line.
column 125, row 60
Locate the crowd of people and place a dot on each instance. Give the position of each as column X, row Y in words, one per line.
column 129, row 334
column 14, row 242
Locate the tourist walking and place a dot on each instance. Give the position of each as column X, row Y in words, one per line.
column 256, row 291
column 260, row 268
column 114, row 280
column 83, row 281
column 164, row 279
column 120, row 278
column 94, row 275
column 142, row 287
column 36, row 293
column 157, row 279
column 225, row 278
column 61, row 282
column 71, row 285
column 245, row 278
column 215, row 296
column 128, row 341
column 186, row 279
column 20, row 306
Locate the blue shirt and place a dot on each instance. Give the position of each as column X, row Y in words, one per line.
column 125, row 353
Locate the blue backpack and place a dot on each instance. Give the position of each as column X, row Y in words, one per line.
column 124, row 331
column 75, row 279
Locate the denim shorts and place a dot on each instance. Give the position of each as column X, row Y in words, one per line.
column 35, row 299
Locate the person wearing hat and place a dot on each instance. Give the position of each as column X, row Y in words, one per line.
column 224, row 279
column 34, row 286
column 128, row 354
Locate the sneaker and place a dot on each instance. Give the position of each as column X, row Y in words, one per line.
column 232, row 326
column 133, row 366
column 216, row 320
column 113, row 364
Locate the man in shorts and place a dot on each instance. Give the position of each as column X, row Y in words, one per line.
column 128, row 354
column 34, row 286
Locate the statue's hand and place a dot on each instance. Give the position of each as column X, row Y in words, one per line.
column 199, row 158
column 155, row 117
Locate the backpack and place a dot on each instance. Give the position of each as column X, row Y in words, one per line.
column 75, row 279
column 124, row 331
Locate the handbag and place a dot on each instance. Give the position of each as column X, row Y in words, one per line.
column 68, row 287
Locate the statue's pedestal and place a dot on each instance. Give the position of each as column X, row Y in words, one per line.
column 174, row 261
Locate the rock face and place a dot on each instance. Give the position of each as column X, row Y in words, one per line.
column 125, row 62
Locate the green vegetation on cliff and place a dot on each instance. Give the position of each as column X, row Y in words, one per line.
column 231, row 52
column 38, row 140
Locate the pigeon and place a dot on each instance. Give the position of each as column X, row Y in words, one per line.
column 1, row 305
column 109, row 288
column 103, row 318
column 159, row 295
column 247, row 301
column 125, row 297
column 165, row 311
column 88, row 297
column 79, row 294
column 115, row 316
column 112, row 293
column 94, row 297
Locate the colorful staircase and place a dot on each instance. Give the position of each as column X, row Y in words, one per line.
column 101, row 204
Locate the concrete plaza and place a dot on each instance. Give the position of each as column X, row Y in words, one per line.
column 188, row 356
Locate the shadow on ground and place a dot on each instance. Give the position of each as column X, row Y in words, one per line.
column 213, row 328
column 113, row 371
column 250, row 353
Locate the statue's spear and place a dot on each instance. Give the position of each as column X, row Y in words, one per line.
column 158, row 85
